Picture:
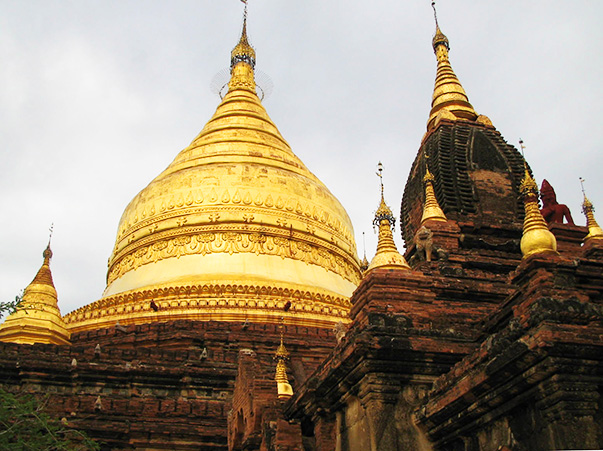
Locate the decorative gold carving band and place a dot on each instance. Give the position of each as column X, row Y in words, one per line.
column 199, row 300
column 175, row 204
column 196, row 241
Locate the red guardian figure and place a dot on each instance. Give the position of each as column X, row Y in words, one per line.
column 551, row 210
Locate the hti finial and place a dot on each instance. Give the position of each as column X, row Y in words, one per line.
column 380, row 175
column 243, row 51
column 439, row 37
column 383, row 212
column 586, row 203
column 47, row 254
column 428, row 176
column 245, row 16
column 523, row 148
column 435, row 14
column 525, row 163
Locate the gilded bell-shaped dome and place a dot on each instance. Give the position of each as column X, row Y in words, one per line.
column 234, row 228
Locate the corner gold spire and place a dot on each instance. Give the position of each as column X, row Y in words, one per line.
column 284, row 389
column 431, row 208
column 38, row 319
column 594, row 231
column 242, row 62
column 387, row 255
column 364, row 263
column 536, row 238
column 449, row 98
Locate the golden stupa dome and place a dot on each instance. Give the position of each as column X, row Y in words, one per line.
column 233, row 229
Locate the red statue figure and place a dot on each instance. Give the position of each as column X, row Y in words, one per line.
column 551, row 210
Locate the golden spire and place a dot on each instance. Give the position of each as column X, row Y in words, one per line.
column 242, row 61
column 536, row 237
column 594, row 231
column 38, row 318
column 449, row 98
column 387, row 255
column 431, row 208
column 284, row 389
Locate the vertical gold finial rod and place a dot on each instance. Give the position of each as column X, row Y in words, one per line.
column 245, row 11
column 523, row 148
column 380, row 175
column 525, row 163
column 51, row 230
column 435, row 14
column 47, row 254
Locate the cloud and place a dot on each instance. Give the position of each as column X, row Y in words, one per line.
column 96, row 99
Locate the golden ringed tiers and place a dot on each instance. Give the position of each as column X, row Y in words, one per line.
column 232, row 230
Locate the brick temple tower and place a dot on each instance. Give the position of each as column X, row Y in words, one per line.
column 492, row 339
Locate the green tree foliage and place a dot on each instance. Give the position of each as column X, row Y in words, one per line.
column 25, row 425
column 7, row 308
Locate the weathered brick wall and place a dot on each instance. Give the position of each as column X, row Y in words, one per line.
column 448, row 362
column 157, row 386
column 537, row 378
column 125, row 398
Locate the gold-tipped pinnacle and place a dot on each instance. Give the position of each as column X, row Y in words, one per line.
column 536, row 238
column 594, row 231
column 449, row 98
column 387, row 255
column 431, row 208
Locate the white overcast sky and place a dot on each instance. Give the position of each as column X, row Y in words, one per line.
column 98, row 96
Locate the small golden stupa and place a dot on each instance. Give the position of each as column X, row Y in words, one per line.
column 387, row 255
column 431, row 208
column 536, row 238
column 234, row 228
column 594, row 230
column 283, row 387
column 38, row 318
